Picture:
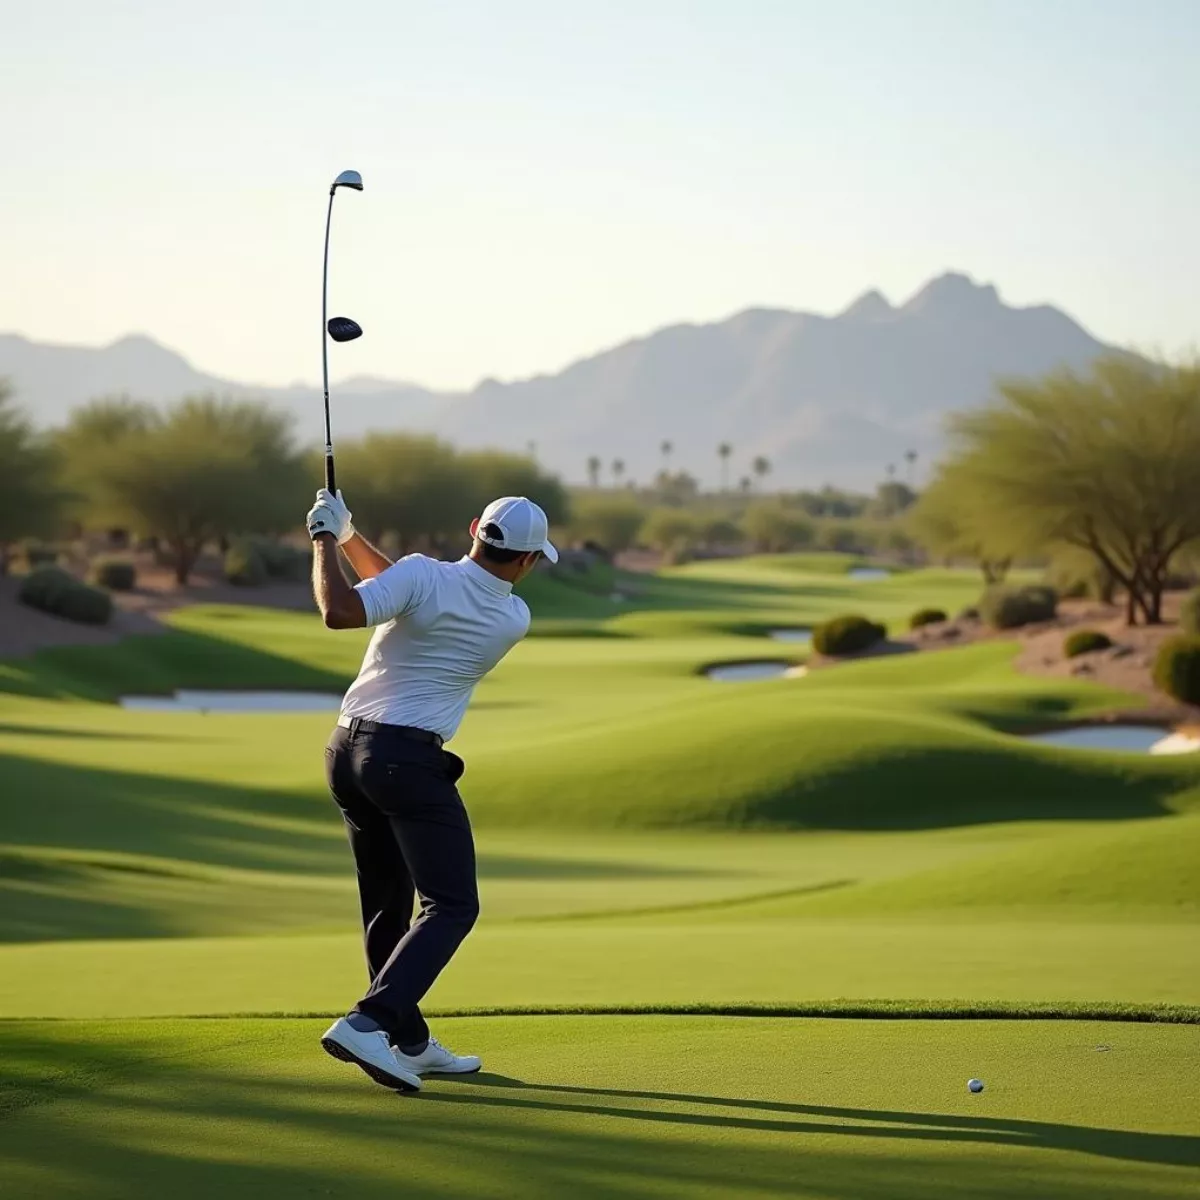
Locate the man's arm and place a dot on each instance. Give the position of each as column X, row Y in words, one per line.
column 364, row 558
column 341, row 606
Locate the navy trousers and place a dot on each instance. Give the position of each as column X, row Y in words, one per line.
column 411, row 840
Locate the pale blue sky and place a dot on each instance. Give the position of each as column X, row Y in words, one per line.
column 547, row 177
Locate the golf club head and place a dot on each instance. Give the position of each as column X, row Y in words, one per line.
column 342, row 329
column 350, row 179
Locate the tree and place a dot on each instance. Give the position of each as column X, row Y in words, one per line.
column 593, row 469
column 892, row 498
column 666, row 449
column 951, row 521
column 910, row 457
column 679, row 488
column 202, row 470
column 611, row 521
column 29, row 475
column 761, row 466
column 618, row 470
column 772, row 528
column 1105, row 462
column 724, row 450
column 891, row 471
column 745, row 485
column 669, row 529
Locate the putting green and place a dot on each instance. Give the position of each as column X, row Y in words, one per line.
column 607, row 1107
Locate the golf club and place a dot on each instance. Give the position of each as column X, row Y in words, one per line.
column 341, row 329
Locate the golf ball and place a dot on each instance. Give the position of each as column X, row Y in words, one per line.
column 975, row 1085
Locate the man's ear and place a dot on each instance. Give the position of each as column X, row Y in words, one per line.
column 474, row 526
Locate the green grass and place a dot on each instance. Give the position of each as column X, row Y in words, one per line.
column 607, row 1107
column 872, row 839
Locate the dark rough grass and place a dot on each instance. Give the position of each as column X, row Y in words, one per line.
column 899, row 1010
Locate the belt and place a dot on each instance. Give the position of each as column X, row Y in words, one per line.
column 358, row 725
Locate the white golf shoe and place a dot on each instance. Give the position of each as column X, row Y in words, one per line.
column 373, row 1053
column 435, row 1059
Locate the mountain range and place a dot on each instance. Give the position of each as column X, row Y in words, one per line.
column 827, row 399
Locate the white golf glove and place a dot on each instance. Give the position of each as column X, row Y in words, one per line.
column 330, row 515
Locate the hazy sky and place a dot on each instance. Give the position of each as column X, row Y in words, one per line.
column 549, row 177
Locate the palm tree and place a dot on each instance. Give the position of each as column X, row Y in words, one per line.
column 724, row 450
column 911, row 457
column 891, row 470
column 531, row 450
column 761, row 467
column 618, row 469
column 665, row 449
column 745, row 483
column 594, row 471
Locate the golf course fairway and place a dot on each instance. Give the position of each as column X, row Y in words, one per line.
column 738, row 939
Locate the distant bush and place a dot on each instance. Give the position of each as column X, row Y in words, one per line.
column 116, row 574
column 1010, row 608
column 846, row 635
column 926, row 616
column 284, row 562
column 608, row 521
column 1189, row 614
column 244, row 565
column 670, row 530
column 771, row 527
column 38, row 554
column 55, row 591
column 1177, row 668
column 1084, row 641
column 969, row 614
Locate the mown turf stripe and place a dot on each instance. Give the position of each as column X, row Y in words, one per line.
column 898, row 1010
column 658, row 910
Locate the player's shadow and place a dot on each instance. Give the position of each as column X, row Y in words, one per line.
column 1162, row 1148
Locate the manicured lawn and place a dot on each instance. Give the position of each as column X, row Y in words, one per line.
column 607, row 1107
column 874, row 834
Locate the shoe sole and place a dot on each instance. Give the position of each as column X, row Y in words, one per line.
column 467, row 1071
column 380, row 1076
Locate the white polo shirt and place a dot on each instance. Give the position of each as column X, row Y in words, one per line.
column 442, row 627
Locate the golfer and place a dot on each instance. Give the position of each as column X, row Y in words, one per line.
column 440, row 628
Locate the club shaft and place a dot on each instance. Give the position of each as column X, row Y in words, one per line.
column 329, row 476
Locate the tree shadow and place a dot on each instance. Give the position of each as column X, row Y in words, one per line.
column 896, row 787
column 160, row 664
column 1176, row 1150
column 220, row 1109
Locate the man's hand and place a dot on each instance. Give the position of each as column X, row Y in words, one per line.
column 330, row 515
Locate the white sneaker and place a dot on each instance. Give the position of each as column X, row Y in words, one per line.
column 435, row 1059
column 373, row 1053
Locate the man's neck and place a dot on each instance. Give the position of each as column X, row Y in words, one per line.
column 499, row 570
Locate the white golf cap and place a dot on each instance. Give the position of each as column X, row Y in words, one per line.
column 522, row 524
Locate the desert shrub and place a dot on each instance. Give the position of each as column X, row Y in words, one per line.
column 38, row 554
column 1189, row 614
column 1010, row 608
column 53, row 590
column 926, row 616
column 284, row 562
column 846, row 635
column 1177, row 668
column 608, row 521
column 116, row 574
column 244, row 565
column 770, row 527
column 1084, row 641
